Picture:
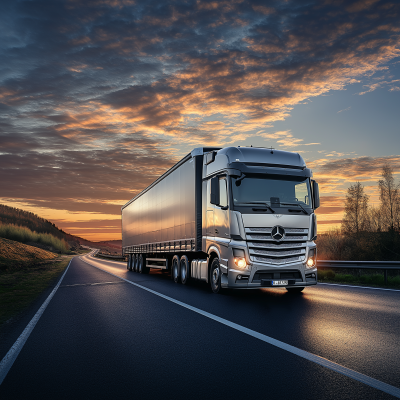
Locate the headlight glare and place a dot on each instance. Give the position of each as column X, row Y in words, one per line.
column 312, row 258
column 240, row 262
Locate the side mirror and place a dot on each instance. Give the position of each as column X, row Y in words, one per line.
column 315, row 191
column 214, row 198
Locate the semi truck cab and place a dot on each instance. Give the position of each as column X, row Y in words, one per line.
column 259, row 218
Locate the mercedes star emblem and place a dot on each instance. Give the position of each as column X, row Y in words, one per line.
column 277, row 233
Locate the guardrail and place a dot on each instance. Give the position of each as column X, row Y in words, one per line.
column 121, row 257
column 382, row 265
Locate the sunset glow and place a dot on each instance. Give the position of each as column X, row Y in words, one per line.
column 99, row 98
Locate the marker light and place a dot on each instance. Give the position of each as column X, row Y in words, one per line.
column 240, row 262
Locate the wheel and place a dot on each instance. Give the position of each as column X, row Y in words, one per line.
column 295, row 289
column 136, row 264
column 184, row 269
column 142, row 268
column 129, row 262
column 175, row 269
column 132, row 262
column 215, row 276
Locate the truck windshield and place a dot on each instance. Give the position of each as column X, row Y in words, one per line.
column 275, row 192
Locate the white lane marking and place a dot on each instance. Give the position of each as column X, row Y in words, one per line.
column 367, row 380
column 90, row 284
column 8, row 360
column 358, row 287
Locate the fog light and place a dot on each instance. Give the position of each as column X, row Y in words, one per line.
column 240, row 262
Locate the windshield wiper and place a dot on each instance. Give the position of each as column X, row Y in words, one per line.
column 262, row 204
column 296, row 204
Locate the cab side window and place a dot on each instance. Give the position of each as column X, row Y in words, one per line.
column 223, row 192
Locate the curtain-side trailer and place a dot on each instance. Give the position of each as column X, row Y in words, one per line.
column 237, row 217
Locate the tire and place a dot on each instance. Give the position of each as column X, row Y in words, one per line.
column 133, row 263
column 142, row 268
column 175, row 269
column 184, row 265
column 215, row 276
column 129, row 262
column 295, row 289
column 136, row 265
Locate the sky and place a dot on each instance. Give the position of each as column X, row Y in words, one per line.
column 100, row 97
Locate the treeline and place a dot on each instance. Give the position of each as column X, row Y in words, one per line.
column 18, row 217
column 367, row 232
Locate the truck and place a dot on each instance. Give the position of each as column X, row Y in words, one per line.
column 234, row 217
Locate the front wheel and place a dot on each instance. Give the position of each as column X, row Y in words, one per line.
column 215, row 276
column 295, row 289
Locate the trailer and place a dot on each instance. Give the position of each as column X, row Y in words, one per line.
column 237, row 217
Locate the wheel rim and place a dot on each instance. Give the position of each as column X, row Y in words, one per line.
column 215, row 277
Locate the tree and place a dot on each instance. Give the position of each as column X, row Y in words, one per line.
column 390, row 199
column 356, row 218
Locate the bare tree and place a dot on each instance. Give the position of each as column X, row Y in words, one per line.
column 356, row 218
column 390, row 199
column 376, row 219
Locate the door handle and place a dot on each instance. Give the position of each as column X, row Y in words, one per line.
column 216, row 230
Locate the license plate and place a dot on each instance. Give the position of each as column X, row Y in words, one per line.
column 280, row 283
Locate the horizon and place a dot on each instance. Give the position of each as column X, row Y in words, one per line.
column 97, row 100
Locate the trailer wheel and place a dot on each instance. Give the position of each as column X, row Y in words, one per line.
column 215, row 276
column 133, row 260
column 129, row 262
column 136, row 264
column 295, row 289
column 142, row 268
column 175, row 269
column 184, row 269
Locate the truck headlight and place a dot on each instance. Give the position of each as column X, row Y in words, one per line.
column 240, row 262
column 312, row 258
column 239, row 258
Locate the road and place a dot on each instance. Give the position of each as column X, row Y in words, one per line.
column 103, row 337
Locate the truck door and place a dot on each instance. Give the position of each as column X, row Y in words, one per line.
column 221, row 216
column 210, row 213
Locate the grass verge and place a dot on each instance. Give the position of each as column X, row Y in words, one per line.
column 19, row 287
column 366, row 279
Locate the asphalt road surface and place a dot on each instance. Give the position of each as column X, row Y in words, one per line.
column 101, row 337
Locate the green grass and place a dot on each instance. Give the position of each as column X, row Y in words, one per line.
column 25, row 235
column 372, row 279
column 20, row 286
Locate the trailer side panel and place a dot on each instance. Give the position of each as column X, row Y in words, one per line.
column 166, row 212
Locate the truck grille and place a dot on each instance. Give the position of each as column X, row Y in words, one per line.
column 264, row 248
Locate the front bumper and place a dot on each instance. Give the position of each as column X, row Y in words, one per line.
column 261, row 275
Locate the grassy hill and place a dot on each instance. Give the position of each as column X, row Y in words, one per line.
column 13, row 254
column 16, row 216
column 15, row 224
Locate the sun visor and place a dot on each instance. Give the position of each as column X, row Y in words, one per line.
column 235, row 167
